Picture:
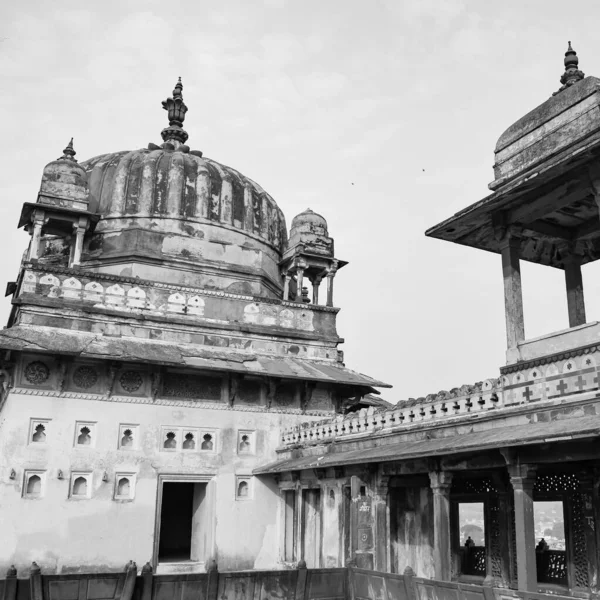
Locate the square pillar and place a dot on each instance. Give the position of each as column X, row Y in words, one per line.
column 382, row 529
column 441, row 483
column 522, row 478
column 38, row 221
column 513, row 296
column 299, row 278
column 575, row 299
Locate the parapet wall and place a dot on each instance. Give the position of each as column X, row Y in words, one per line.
column 549, row 379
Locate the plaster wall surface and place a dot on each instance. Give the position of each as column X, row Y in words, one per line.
column 184, row 253
column 63, row 533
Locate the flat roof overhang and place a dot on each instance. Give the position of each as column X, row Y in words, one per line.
column 479, row 441
column 552, row 204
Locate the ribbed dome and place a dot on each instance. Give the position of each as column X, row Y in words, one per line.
column 64, row 181
column 169, row 214
column 309, row 220
column 184, row 186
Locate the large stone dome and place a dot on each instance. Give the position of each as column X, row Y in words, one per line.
column 168, row 213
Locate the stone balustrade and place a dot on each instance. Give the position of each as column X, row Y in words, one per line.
column 571, row 376
column 466, row 400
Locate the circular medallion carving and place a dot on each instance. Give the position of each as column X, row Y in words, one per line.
column 36, row 372
column 131, row 381
column 85, row 377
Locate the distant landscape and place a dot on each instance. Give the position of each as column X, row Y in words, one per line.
column 548, row 522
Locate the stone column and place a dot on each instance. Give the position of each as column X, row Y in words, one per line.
column 505, row 530
column 513, row 297
column 286, row 287
column 299, row 278
column 79, row 231
column 382, row 529
column 441, row 482
column 330, row 277
column 316, row 282
column 36, row 236
column 574, row 283
column 522, row 478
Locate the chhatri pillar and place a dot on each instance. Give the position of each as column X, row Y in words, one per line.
column 513, row 295
column 441, row 483
column 574, row 284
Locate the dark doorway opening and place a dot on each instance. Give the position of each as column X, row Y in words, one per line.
column 176, row 516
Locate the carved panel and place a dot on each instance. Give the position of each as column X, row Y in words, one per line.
column 36, row 372
column 85, row 377
column 201, row 387
column 131, row 381
column 286, row 394
column 580, row 554
column 495, row 535
column 250, row 391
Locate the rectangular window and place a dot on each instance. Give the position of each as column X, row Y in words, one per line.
column 243, row 487
column 38, row 431
column 175, row 439
column 289, row 499
column 85, row 434
column 128, row 436
column 471, row 526
column 80, row 486
column 34, row 483
column 124, row 486
column 550, row 539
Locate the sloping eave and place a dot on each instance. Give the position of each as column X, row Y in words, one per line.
column 489, row 439
column 52, row 340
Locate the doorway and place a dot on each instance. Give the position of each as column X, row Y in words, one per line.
column 311, row 527
column 184, row 520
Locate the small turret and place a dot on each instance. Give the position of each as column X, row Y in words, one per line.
column 309, row 253
column 61, row 210
column 64, row 182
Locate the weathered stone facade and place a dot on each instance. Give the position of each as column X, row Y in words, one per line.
column 155, row 350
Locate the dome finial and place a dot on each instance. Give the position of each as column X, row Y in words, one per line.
column 176, row 108
column 69, row 152
column 572, row 74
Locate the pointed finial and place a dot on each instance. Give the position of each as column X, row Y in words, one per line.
column 572, row 74
column 176, row 109
column 69, row 152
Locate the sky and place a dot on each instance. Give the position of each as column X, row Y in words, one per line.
column 382, row 115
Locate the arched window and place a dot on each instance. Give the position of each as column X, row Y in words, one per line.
column 124, row 487
column 80, row 486
column 127, row 439
column 34, row 485
column 84, row 438
column 242, row 490
column 170, row 442
column 40, row 434
column 189, row 442
column 207, row 444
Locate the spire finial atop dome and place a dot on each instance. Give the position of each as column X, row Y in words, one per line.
column 69, row 152
column 176, row 108
column 572, row 74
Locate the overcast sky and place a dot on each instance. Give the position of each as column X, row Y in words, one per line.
column 382, row 115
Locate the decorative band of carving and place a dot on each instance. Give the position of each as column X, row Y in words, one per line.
column 158, row 285
column 544, row 360
column 168, row 402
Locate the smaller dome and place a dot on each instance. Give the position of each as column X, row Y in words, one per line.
column 64, row 182
column 309, row 220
